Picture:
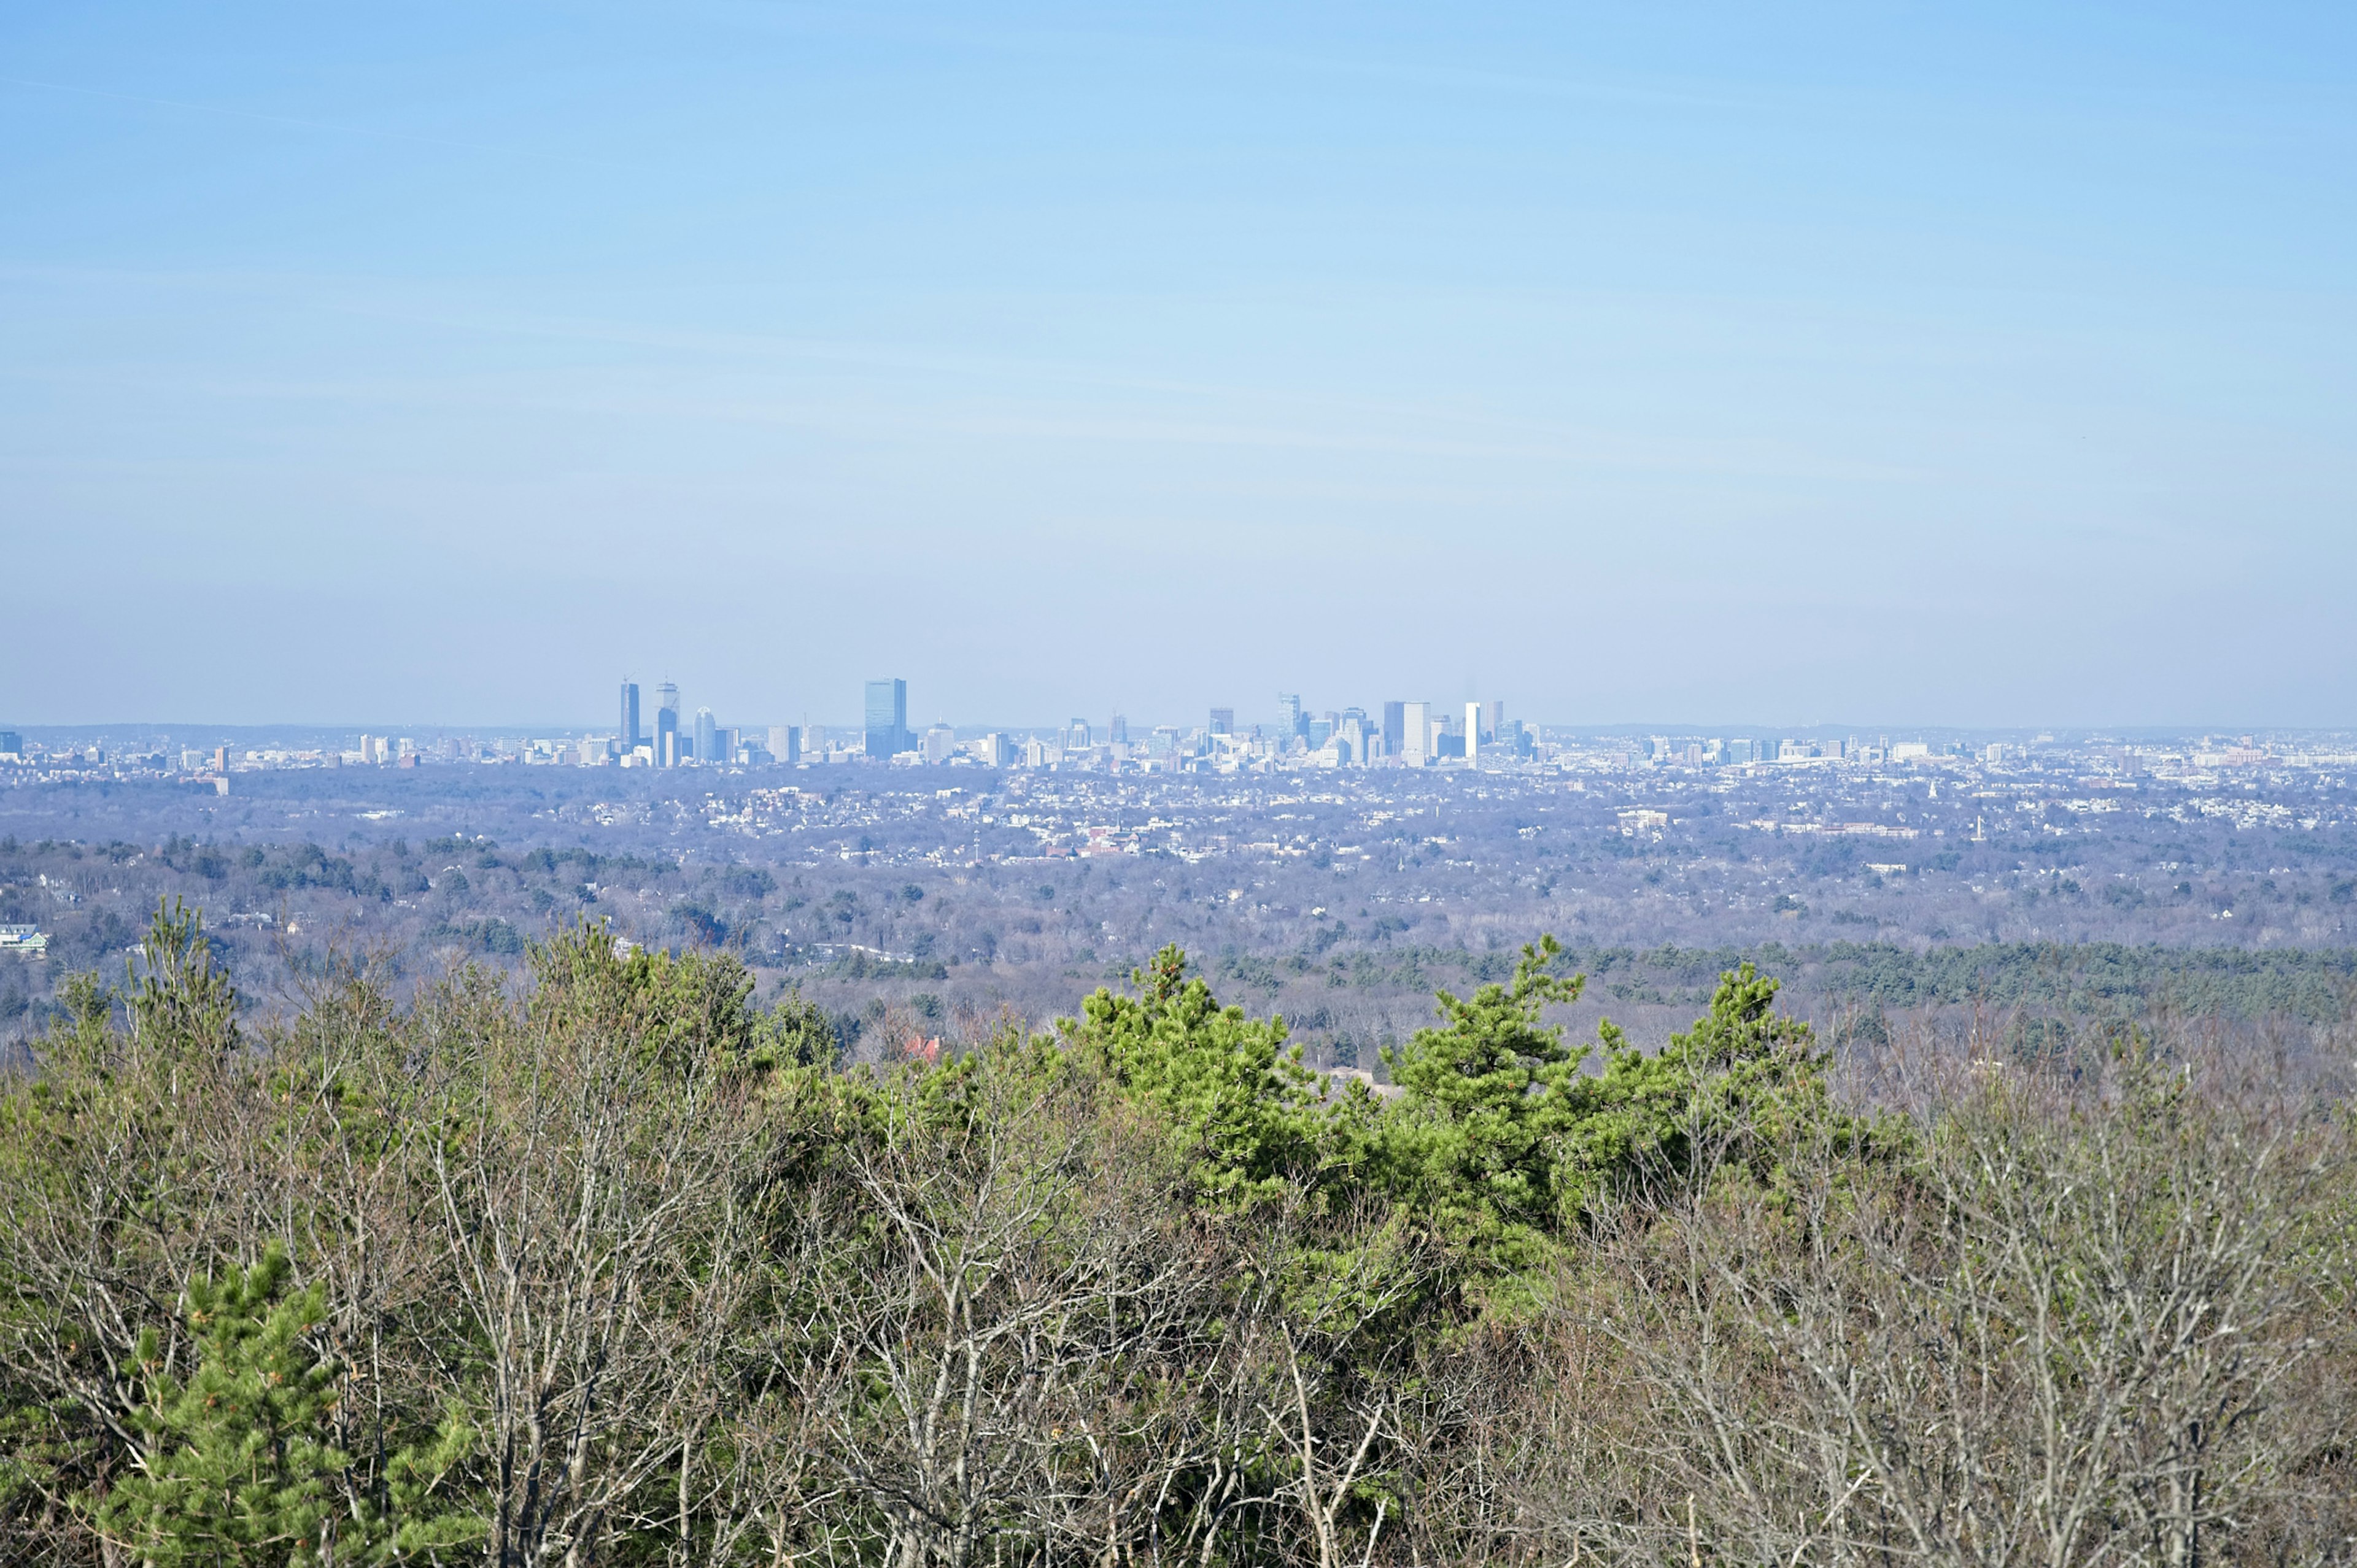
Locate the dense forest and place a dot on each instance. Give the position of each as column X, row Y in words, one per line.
column 948, row 945
column 606, row 1260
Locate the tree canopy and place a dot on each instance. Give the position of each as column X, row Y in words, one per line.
column 620, row 1265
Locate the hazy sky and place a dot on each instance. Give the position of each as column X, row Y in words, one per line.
column 442, row 362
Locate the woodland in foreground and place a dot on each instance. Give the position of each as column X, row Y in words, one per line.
column 615, row 1266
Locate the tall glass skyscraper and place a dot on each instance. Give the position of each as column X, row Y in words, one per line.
column 707, row 738
column 627, row 732
column 667, row 737
column 888, row 719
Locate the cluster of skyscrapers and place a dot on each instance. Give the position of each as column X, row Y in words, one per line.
column 669, row 742
column 1407, row 735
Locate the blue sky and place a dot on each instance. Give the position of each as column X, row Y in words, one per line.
column 1872, row 363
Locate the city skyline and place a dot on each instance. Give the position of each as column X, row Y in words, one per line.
column 1391, row 719
column 1829, row 728
column 1282, row 709
column 1389, row 735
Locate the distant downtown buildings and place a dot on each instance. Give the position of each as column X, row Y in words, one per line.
column 1407, row 735
column 673, row 741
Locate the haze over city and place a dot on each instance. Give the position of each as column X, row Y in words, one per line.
column 1708, row 366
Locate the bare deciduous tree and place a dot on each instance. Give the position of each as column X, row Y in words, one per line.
column 588, row 1188
column 1010, row 1295
column 2061, row 1334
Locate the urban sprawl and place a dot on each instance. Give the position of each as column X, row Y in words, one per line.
column 1479, row 734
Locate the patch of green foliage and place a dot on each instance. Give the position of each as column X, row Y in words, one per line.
column 238, row 1465
column 1250, row 1114
column 1499, row 1141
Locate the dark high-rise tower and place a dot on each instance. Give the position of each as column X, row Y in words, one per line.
column 627, row 731
column 888, row 719
column 667, row 737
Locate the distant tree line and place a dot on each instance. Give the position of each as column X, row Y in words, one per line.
column 2107, row 980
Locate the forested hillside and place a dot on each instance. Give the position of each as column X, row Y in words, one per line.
column 611, row 1263
column 1340, row 899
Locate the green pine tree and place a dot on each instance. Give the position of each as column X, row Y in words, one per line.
column 1239, row 1097
column 1505, row 1144
column 1486, row 1100
column 239, row 1469
column 183, row 999
column 1741, row 1086
column 236, row 1470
